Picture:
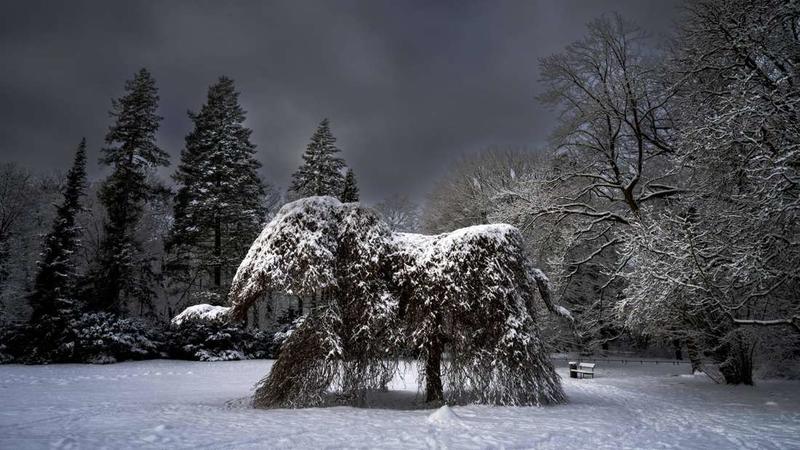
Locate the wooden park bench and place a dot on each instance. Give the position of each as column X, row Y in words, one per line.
column 581, row 370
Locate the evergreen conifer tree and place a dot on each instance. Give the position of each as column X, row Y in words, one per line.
column 123, row 273
column 321, row 171
column 220, row 203
column 56, row 276
column 350, row 190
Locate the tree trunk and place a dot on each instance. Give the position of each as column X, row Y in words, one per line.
column 694, row 356
column 256, row 316
column 737, row 367
column 434, row 392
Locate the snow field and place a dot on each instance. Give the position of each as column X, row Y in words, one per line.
column 181, row 404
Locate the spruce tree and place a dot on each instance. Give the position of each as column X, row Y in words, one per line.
column 219, row 206
column 56, row 276
column 350, row 190
column 321, row 171
column 123, row 273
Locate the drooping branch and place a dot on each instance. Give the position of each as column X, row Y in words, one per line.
column 543, row 284
column 793, row 322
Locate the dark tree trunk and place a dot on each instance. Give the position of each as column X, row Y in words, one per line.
column 694, row 356
column 434, row 392
column 737, row 366
column 256, row 316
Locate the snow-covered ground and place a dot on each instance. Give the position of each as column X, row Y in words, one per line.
column 179, row 404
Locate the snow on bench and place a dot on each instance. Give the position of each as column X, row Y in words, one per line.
column 581, row 370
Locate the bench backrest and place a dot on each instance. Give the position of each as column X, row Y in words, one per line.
column 586, row 365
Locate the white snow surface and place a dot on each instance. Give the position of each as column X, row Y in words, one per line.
column 427, row 247
column 202, row 313
column 183, row 404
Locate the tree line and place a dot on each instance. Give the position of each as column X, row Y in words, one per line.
column 666, row 209
column 149, row 239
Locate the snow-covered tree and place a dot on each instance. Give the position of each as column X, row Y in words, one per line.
column 25, row 215
column 722, row 261
column 511, row 187
column 400, row 213
column 220, row 204
column 465, row 195
column 123, row 276
column 57, row 277
column 15, row 200
column 612, row 143
column 321, row 171
column 317, row 247
column 470, row 292
column 350, row 190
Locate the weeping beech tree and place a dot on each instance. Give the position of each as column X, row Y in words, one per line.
column 461, row 302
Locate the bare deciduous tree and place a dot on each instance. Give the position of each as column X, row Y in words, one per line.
column 724, row 259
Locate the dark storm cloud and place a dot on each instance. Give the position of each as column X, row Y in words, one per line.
column 408, row 86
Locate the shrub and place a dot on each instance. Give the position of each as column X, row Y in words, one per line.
column 96, row 337
column 217, row 341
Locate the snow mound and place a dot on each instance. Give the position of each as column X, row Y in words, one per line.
column 202, row 313
column 444, row 416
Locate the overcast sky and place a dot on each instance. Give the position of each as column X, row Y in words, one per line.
column 409, row 86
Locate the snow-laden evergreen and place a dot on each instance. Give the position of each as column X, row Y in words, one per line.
column 123, row 276
column 56, row 279
column 350, row 190
column 219, row 206
column 321, row 171
column 468, row 293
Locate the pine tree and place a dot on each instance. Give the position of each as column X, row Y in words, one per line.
column 123, row 273
column 220, row 204
column 321, row 171
column 350, row 190
column 56, row 277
